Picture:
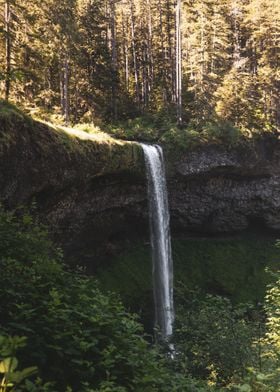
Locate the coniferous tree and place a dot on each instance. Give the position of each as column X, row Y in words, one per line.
column 121, row 58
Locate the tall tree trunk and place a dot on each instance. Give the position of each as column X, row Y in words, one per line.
column 202, row 49
column 162, row 70
column 114, row 55
column 236, row 34
column 8, row 49
column 150, row 48
column 125, row 50
column 171, row 62
column 135, row 63
column 178, row 63
column 61, row 87
column 66, row 90
column 76, row 78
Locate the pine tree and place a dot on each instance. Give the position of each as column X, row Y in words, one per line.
column 264, row 21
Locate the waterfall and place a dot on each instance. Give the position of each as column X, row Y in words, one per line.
column 160, row 238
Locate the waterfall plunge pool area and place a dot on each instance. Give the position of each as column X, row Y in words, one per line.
column 231, row 266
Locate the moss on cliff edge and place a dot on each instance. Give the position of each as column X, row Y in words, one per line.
column 11, row 118
column 59, row 150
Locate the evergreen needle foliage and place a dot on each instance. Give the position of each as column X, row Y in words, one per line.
column 104, row 60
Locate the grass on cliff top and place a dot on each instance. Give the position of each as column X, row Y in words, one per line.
column 12, row 117
column 86, row 143
column 85, row 132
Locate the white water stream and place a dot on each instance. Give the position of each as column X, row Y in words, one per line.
column 160, row 238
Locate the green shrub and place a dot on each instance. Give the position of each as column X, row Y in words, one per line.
column 182, row 139
column 214, row 339
column 223, row 131
column 271, row 341
column 78, row 337
column 10, row 376
column 266, row 376
column 139, row 128
column 84, row 340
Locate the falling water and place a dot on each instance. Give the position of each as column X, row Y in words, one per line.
column 160, row 237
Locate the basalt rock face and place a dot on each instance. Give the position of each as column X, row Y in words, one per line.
column 91, row 193
column 98, row 220
column 215, row 189
column 94, row 198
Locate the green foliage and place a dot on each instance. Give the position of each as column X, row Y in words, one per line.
column 199, row 133
column 216, row 339
column 82, row 60
column 77, row 336
column 11, row 377
column 11, row 116
column 233, row 267
column 213, row 338
column 148, row 127
column 223, row 131
column 266, row 376
column 176, row 138
column 271, row 342
column 24, row 239
column 161, row 128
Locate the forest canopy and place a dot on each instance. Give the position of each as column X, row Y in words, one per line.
column 94, row 60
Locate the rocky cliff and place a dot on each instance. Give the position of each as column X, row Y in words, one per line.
column 87, row 187
column 220, row 189
column 92, row 192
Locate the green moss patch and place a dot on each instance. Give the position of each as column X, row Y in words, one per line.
column 94, row 152
column 11, row 118
column 234, row 267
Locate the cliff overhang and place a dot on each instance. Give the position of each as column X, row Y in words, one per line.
column 91, row 190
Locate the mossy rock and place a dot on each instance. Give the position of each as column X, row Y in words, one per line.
column 37, row 157
column 231, row 267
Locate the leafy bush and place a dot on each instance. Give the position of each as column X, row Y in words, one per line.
column 9, row 373
column 82, row 339
column 139, row 128
column 181, row 138
column 271, row 341
column 14, row 380
column 266, row 376
column 214, row 340
column 194, row 134
column 223, row 131
column 23, row 238
column 76, row 335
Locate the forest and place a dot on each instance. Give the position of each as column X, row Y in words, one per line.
column 106, row 108
column 194, row 63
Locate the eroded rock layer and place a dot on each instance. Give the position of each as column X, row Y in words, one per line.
column 217, row 189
